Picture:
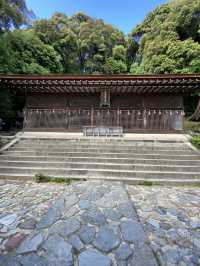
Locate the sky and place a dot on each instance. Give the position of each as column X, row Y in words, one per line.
column 123, row 14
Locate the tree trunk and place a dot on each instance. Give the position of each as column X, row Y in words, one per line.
column 196, row 115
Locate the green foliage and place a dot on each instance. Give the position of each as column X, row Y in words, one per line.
column 169, row 39
column 113, row 66
column 146, row 183
column 13, row 14
column 18, row 56
column 196, row 141
column 40, row 178
column 84, row 43
column 191, row 127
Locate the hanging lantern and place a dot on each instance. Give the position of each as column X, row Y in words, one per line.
column 170, row 113
column 139, row 113
column 154, row 112
column 149, row 113
column 160, row 113
column 128, row 112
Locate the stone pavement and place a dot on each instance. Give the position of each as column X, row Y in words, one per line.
column 171, row 219
column 98, row 223
column 89, row 223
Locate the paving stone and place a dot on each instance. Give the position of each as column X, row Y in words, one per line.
column 66, row 228
column 171, row 255
column 126, row 209
column 49, row 218
column 8, row 219
column 107, row 202
column 9, row 261
column 93, row 216
column 91, row 258
column 112, row 214
column 31, row 243
column 32, row 259
column 132, row 232
column 195, row 224
column 28, row 224
column 60, row 204
column 70, row 212
column 84, row 204
column 71, row 200
column 14, row 241
column 106, row 239
column 154, row 223
column 77, row 244
column 165, row 225
column 123, row 252
column 87, row 234
column 58, row 251
column 144, row 257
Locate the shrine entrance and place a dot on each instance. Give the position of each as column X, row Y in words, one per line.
column 145, row 103
column 131, row 120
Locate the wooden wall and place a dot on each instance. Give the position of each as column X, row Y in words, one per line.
column 135, row 113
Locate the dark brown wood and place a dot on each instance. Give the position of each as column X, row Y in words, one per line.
column 145, row 103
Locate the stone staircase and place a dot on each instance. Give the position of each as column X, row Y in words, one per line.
column 133, row 161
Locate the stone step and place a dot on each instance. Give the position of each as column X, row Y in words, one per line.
column 98, row 173
column 133, row 181
column 101, row 149
column 106, row 140
column 91, row 165
column 180, row 161
column 151, row 155
column 109, row 145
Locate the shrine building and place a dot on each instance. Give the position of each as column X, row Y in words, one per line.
column 145, row 103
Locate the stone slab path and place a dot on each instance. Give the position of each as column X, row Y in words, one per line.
column 87, row 224
column 171, row 219
column 98, row 223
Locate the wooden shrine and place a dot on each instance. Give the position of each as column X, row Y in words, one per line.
column 145, row 103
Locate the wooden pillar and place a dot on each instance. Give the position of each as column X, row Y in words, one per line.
column 92, row 117
column 105, row 98
column 118, row 116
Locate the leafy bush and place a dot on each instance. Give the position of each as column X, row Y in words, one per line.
column 196, row 141
column 40, row 178
column 146, row 183
column 192, row 126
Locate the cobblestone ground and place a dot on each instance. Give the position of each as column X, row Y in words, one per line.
column 96, row 224
column 85, row 224
column 171, row 219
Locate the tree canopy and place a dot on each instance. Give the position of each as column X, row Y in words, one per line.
column 13, row 14
column 167, row 41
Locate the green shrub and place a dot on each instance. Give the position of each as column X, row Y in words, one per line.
column 40, row 178
column 190, row 126
column 196, row 141
column 146, row 183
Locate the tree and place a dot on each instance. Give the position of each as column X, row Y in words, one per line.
column 84, row 43
column 13, row 14
column 169, row 40
column 113, row 66
column 18, row 56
